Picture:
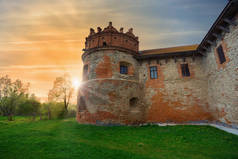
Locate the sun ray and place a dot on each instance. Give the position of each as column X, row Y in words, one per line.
column 76, row 83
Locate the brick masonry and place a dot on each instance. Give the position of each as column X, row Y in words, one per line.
column 173, row 98
column 209, row 93
column 107, row 93
column 222, row 79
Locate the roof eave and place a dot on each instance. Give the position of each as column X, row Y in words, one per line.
column 168, row 55
column 218, row 22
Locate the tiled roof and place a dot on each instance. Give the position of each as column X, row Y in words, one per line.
column 169, row 50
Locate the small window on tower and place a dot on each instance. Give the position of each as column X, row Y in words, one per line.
column 153, row 72
column 123, row 69
column 221, row 54
column 185, row 70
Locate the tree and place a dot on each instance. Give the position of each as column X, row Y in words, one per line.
column 10, row 94
column 29, row 106
column 46, row 110
column 62, row 91
column 53, row 110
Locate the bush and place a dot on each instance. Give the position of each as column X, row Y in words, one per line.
column 71, row 111
column 53, row 110
column 28, row 107
column 58, row 110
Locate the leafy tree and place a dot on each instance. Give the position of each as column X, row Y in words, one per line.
column 72, row 110
column 53, row 110
column 62, row 91
column 46, row 110
column 10, row 94
column 29, row 106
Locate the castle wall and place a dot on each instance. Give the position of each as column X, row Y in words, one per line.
column 172, row 97
column 223, row 78
column 108, row 101
column 106, row 64
column 108, row 96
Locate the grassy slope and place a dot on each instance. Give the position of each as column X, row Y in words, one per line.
column 66, row 139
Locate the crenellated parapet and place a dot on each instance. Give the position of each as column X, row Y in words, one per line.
column 110, row 37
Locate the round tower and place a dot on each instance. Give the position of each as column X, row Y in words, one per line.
column 111, row 92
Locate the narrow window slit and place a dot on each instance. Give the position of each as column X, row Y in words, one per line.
column 221, row 54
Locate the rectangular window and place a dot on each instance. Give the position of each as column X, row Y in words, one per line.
column 153, row 72
column 185, row 70
column 123, row 69
column 221, row 54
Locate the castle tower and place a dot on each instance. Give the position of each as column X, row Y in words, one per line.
column 111, row 92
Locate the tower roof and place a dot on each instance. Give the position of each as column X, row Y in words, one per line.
column 111, row 38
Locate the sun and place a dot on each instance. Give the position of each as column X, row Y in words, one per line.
column 76, row 83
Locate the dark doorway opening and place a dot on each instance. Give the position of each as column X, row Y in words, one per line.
column 133, row 102
column 104, row 44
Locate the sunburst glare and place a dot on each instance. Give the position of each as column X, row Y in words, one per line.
column 76, row 83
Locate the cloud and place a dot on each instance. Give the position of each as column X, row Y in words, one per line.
column 38, row 67
column 41, row 39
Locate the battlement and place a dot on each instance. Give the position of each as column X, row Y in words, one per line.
column 110, row 37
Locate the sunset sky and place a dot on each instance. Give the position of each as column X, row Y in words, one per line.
column 43, row 39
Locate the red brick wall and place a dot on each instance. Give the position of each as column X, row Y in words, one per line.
column 104, row 69
column 112, row 39
column 174, row 98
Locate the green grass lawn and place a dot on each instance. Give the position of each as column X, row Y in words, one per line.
column 66, row 139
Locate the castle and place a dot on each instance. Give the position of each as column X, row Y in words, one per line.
column 123, row 85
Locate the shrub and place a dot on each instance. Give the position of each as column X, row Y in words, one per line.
column 71, row 111
column 28, row 107
column 53, row 110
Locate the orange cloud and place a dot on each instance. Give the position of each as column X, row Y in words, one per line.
column 42, row 39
